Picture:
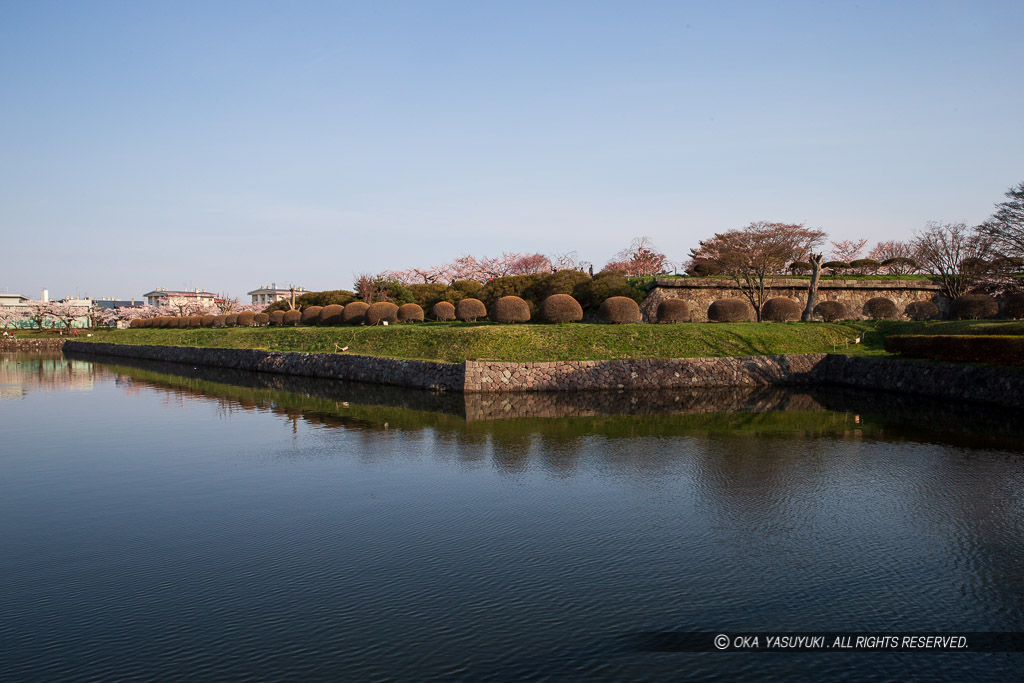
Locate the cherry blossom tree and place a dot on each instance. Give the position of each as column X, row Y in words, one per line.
column 12, row 316
column 39, row 312
column 640, row 258
column 847, row 250
column 755, row 255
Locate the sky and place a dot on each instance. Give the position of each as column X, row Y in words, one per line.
column 226, row 145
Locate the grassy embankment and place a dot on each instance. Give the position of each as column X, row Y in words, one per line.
column 456, row 342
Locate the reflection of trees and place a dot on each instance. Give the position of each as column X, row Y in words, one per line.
column 21, row 373
column 552, row 429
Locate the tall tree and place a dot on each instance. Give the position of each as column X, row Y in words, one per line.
column 640, row 258
column 955, row 254
column 1006, row 226
column 755, row 255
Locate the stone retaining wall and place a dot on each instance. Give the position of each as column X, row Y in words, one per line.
column 49, row 344
column 659, row 373
column 1003, row 386
column 698, row 293
column 405, row 373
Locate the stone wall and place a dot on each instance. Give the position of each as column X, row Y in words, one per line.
column 698, row 293
column 49, row 344
column 405, row 373
column 641, row 374
column 1003, row 386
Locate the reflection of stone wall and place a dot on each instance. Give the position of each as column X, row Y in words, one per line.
column 698, row 293
column 691, row 401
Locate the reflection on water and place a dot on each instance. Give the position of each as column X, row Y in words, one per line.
column 737, row 411
column 211, row 524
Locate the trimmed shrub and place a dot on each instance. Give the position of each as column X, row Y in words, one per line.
column 291, row 318
column 730, row 311
column 835, row 266
column 310, row 315
column 561, row 308
column 428, row 293
column 799, row 267
column 673, row 311
column 135, row 323
column 246, row 318
column 703, row 267
column 509, row 309
column 968, row 348
column 830, row 311
column 354, row 313
column 879, row 308
column 443, row 310
column 469, row 309
column 195, row 320
column 277, row 317
column 781, row 310
column 866, row 265
column 973, row 307
column 220, row 321
column 410, row 313
column 561, row 282
column 331, row 314
column 207, row 320
column 231, row 320
column 619, row 310
column 921, row 310
column 380, row 312
column 1014, row 307
column 605, row 285
column 261, row 319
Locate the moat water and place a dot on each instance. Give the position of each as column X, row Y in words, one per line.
column 170, row 522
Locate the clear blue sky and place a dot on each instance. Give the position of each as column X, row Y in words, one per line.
column 230, row 144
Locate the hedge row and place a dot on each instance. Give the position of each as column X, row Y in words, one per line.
column 996, row 349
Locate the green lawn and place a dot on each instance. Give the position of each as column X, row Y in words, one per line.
column 456, row 342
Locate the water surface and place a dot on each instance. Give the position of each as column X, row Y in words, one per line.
column 164, row 520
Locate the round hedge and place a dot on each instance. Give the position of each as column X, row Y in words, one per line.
column 179, row 321
column 311, row 315
column 730, row 311
column 673, row 311
column 410, row 313
column 921, row 310
column 354, row 313
column 220, row 321
column 830, row 311
column 261, row 319
column 1015, row 306
column 246, row 318
column 619, row 310
column 331, row 314
column 381, row 311
column 879, row 308
column 509, row 309
column 469, row 309
column 780, row 310
column 207, row 320
column 231, row 320
column 291, row 317
column 135, row 323
column 195, row 321
column 277, row 317
column 973, row 307
column 561, row 308
column 443, row 310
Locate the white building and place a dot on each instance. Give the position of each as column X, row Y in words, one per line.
column 267, row 295
column 161, row 296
